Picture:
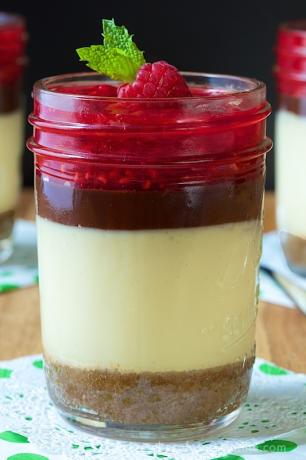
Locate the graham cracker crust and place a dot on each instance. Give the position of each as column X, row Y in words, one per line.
column 176, row 398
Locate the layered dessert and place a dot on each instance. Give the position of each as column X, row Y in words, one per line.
column 149, row 216
column 291, row 143
column 291, row 185
column 166, row 305
column 12, row 38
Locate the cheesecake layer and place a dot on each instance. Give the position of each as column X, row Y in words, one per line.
column 290, row 172
column 11, row 139
column 178, row 398
column 124, row 300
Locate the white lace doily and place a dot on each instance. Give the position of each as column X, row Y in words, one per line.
column 272, row 421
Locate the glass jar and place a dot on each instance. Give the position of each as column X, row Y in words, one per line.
column 149, row 220
column 291, row 142
column 12, row 59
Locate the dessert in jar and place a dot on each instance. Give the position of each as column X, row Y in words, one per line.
column 149, row 217
column 12, row 49
column 291, row 142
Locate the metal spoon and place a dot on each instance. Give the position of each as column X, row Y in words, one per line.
column 294, row 292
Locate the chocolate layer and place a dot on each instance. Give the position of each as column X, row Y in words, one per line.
column 293, row 104
column 10, row 97
column 178, row 398
column 192, row 206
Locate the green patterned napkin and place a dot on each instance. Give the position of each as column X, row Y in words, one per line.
column 21, row 268
column 272, row 423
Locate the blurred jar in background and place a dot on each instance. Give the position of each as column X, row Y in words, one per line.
column 290, row 140
column 12, row 60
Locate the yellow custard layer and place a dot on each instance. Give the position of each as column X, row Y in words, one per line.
column 148, row 300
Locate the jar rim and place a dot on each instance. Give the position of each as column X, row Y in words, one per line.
column 10, row 20
column 296, row 26
column 252, row 87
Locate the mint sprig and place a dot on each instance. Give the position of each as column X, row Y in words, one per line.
column 118, row 57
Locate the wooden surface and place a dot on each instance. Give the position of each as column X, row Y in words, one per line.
column 281, row 332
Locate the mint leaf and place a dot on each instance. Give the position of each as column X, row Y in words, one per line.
column 119, row 37
column 118, row 58
column 109, row 61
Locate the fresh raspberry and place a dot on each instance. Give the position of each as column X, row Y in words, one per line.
column 159, row 79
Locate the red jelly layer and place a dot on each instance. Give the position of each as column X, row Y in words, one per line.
column 94, row 142
column 12, row 47
column 291, row 58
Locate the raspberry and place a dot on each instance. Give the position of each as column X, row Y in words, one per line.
column 159, row 79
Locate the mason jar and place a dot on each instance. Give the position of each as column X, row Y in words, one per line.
column 12, row 60
column 149, row 220
column 290, row 141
